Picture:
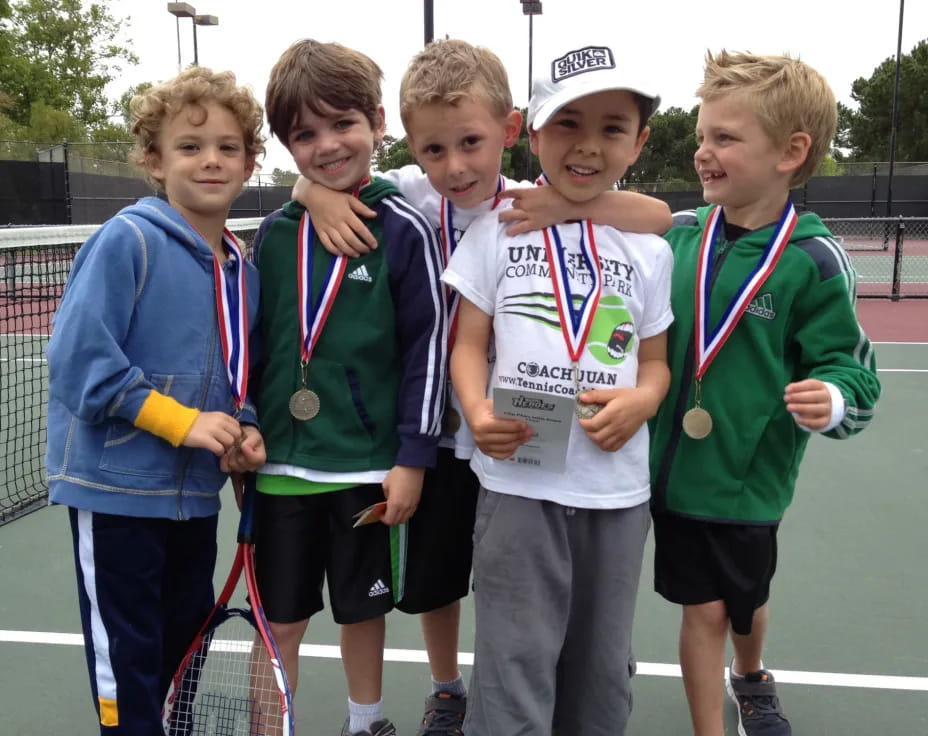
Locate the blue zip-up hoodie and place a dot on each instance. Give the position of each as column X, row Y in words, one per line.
column 138, row 321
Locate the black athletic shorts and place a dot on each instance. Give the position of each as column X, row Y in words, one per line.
column 440, row 537
column 303, row 540
column 703, row 561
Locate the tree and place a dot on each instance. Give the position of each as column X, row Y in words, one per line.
column 668, row 154
column 866, row 131
column 283, row 178
column 62, row 55
column 392, row 153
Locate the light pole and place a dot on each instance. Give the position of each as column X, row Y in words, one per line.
column 429, row 19
column 531, row 9
column 186, row 10
column 893, row 121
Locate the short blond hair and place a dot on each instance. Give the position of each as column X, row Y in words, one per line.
column 194, row 88
column 311, row 72
column 787, row 95
column 450, row 70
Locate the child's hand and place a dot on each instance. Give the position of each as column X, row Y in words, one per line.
column 496, row 438
column 215, row 431
column 247, row 455
column 534, row 209
column 402, row 488
column 809, row 402
column 335, row 218
column 623, row 413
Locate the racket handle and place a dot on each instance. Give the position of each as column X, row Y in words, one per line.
column 246, row 524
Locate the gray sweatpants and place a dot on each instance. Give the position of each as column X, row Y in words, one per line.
column 555, row 592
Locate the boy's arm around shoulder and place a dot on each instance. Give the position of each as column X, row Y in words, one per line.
column 414, row 263
column 539, row 207
column 835, row 351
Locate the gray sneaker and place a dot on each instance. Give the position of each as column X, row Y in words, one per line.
column 444, row 715
column 759, row 712
column 378, row 728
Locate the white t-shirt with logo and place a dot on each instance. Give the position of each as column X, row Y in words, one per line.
column 507, row 277
column 415, row 187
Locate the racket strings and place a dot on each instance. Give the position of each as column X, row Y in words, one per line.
column 229, row 687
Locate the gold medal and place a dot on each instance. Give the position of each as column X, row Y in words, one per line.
column 452, row 421
column 304, row 404
column 697, row 423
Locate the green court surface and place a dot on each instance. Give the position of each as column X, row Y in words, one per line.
column 848, row 641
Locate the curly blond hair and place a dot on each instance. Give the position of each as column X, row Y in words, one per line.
column 450, row 70
column 787, row 95
column 194, row 87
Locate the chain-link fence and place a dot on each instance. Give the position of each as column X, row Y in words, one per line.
column 889, row 254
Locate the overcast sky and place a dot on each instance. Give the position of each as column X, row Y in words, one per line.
column 844, row 39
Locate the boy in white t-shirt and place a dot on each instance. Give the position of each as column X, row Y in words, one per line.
column 577, row 313
column 456, row 106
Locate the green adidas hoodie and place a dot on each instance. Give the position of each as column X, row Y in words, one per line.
column 800, row 324
column 378, row 366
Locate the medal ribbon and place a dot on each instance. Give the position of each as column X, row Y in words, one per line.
column 575, row 322
column 232, row 312
column 313, row 316
column 709, row 341
column 449, row 244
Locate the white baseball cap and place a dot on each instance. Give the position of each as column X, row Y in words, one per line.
column 579, row 73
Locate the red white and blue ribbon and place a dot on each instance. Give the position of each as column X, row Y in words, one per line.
column 575, row 321
column 449, row 244
column 232, row 311
column 710, row 341
column 314, row 315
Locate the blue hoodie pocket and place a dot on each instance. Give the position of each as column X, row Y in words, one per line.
column 128, row 449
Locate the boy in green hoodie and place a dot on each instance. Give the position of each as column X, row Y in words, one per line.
column 765, row 349
column 352, row 386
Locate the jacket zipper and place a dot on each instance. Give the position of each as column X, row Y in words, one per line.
column 189, row 451
column 679, row 409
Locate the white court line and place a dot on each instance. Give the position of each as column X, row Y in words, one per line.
column 322, row 651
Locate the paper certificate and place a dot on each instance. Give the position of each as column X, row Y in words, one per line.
column 550, row 418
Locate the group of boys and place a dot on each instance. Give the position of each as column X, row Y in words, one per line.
column 367, row 289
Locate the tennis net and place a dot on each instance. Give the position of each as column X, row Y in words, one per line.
column 34, row 266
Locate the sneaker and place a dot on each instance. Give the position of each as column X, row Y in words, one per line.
column 378, row 728
column 444, row 715
column 759, row 712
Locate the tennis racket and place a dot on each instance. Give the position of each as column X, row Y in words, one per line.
column 231, row 681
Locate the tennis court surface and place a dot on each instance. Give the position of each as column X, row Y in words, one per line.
column 849, row 629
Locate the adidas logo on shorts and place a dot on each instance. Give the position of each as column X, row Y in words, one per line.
column 361, row 274
column 377, row 589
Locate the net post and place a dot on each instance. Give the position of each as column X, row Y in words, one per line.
column 68, row 219
column 897, row 260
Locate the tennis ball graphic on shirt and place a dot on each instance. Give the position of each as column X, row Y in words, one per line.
column 613, row 332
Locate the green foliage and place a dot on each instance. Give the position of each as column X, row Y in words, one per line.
column 392, row 153
column 668, row 153
column 60, row 54
column 829, row 167
column 283, row 178
column 866, row 130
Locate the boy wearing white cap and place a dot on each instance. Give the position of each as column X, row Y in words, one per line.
column 578, row 315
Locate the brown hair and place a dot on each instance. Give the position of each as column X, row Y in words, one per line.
column 194, row 87
column 310, row 72
column 449, row 70
column 787, row 95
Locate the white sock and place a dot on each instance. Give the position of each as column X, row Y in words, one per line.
column 360, row 717
column 455, row 687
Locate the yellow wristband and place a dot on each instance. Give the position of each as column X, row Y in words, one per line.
column 165, row 417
